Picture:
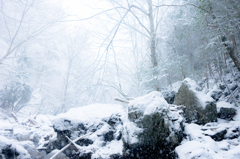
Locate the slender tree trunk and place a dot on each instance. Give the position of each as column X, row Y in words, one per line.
column 65, row 89
column 234, row 58
column 231, row 49
column 206, row 71
column 210, row 70
column 153, row 44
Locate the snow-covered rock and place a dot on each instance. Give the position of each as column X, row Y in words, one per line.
column 153, row 129
column 225, row 110
column 170, row 92
column 22, row 139
column 102, row 123
column 10, row 150
column 199, row 107
column 169, row 96
column 211, row 141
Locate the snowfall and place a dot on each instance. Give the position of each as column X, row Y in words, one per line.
column 30, row 135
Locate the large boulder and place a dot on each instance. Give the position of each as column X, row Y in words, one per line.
column 102, row 123
column 199, row 107
column 152, row 129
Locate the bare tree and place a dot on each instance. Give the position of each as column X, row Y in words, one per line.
column 23, row 25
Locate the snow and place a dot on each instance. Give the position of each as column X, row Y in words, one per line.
column 131, row 132
column 191, row 83
column 22, row 136
column 5, row 125
column 23, row 154
column 87, row 114
column 175, row 86
column 95, row 120
column 4, row 141
column 204, row 99
column 146, row 105
column 223, row 104
column 114, row 147
column 199, row 144
column 237, row 117
column 3, row 46
column 191, row 149
column 149, row 103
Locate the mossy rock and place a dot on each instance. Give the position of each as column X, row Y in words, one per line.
column 195, row 111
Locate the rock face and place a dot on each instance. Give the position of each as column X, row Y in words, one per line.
column 200, row 107
column 103, row 123
column 152, row 130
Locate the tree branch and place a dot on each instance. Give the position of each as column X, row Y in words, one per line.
column 210, row 25
column 175, row 5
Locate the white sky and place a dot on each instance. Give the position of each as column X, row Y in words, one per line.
column 84, row 8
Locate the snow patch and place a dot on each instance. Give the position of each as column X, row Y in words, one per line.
column 223, row 104
column 131, row 132
column 204, row 99
column 87, row 114
column 149, row 103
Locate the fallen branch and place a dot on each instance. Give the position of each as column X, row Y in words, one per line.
column 74, row 144
column 32, row 122
column 232, row 94
column 121, row 100
column 64, row 148
column 35, row 116
column 14, row 117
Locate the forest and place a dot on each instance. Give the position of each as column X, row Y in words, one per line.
column 149, row 56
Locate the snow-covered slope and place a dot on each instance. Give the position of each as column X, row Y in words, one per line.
column 102, row 126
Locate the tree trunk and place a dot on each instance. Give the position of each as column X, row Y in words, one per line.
column 231, row 50
column 65, row 89
column 234, row 57
column 229, row 37
column 153, row 44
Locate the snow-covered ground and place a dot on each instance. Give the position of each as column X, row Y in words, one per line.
column 200, row 144
column 98, row 120
column 21, row 139
column 103, row 124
